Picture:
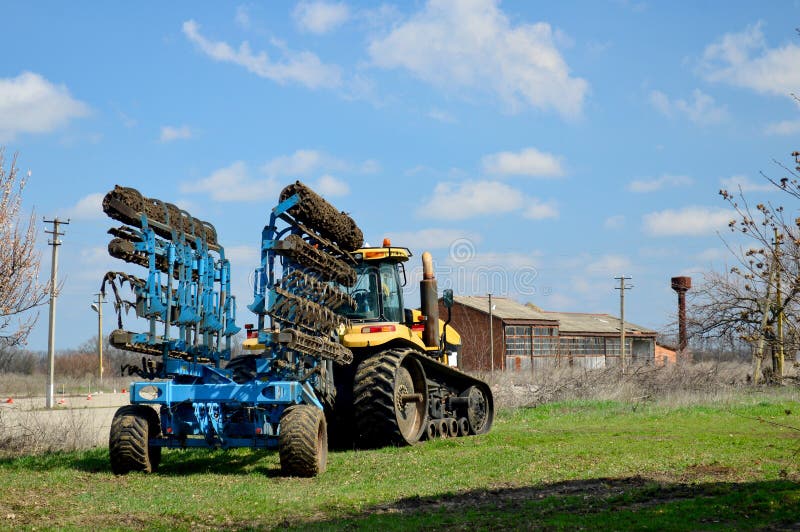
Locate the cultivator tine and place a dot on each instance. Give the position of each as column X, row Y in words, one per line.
column 322, row 293
column 300, row 312
column 326, row 266
column 314, row 346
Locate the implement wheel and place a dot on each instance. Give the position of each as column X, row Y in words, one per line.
column 479, row 411
column 303, row 441
column 390, row 399
column 128, row 443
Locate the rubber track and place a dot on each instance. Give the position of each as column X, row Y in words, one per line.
column 297, row 442
column 314, row 211
column 128, row 441
column 135, row 204
column 329, row 268
column 373, row 399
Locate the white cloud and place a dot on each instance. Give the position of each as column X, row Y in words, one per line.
column 328, row 185
column 307, row 162
column 468, row 199
column 607, row 265
column 301, row 162
column 784, row 127
column 304, row 68
column 473, row 45
column 243, row 17
column 701, row 110
column 737, row 182
column 688, row 221
column 457, row 201
column 432, row 238
column 652, row 185
column 243, row 255
column 233, row 183
column 712, row 254
column 442, row 116
column 538, row 210
column 170, row 133
column 614, row 222
column 31, row 104
column 89, row 207
column 320, row 17
column 744, row 60
column 528, row 162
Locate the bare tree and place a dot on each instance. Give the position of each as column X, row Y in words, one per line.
column 757, row 300
column 20, row 290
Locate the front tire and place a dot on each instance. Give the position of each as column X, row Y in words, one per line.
column 128, row 443
column 303, row 441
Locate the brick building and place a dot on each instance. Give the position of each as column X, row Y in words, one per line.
column 526, row 337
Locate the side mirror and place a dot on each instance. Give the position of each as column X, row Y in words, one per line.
column 447, row 298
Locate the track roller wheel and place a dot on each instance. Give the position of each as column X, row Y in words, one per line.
column 452, row 427
column 303, row 441
column 442, row 428
column 463, row 426
column 131, row 430
column 430, row 431
column 479, row 410
column 390, row 399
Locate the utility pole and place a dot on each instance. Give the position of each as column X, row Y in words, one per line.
column 51, row 357
column 491, row 332
column 98, row 307
column 622, row 287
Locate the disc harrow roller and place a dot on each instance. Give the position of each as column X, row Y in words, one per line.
column 127, row 205
column 314, row 211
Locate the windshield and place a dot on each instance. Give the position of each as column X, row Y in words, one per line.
column 374, row 281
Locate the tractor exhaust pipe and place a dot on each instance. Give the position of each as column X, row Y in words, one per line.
column 429, row 299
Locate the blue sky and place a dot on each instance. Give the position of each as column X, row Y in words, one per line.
column 537, row 149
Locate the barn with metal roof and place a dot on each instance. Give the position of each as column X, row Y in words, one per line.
column 525, row 337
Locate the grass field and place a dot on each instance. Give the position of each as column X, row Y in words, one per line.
column 595, row 464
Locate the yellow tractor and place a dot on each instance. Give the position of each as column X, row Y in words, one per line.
column 403, row 384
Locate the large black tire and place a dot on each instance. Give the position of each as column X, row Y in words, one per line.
column 243, row 368
column 303, row 441
column 383, row 410
column 128, row 443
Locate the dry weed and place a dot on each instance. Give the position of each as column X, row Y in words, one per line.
column 27, row 432
column 676, row 384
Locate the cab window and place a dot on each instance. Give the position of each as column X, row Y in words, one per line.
column 390, row 289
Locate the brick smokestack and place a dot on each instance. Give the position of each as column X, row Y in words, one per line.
column 682, row 285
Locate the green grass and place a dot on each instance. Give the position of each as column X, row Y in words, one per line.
column 564, row 465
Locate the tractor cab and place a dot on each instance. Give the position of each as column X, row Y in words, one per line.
column 378, row 291
column 380, row 317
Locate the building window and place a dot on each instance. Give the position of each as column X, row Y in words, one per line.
column 612, row 346
column 545, row 341
column 518, row 340
column 583, row 346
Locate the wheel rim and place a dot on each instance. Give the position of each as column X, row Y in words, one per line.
column 410, row 413
column 478, row 411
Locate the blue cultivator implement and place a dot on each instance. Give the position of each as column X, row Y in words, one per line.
column 190, row 397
